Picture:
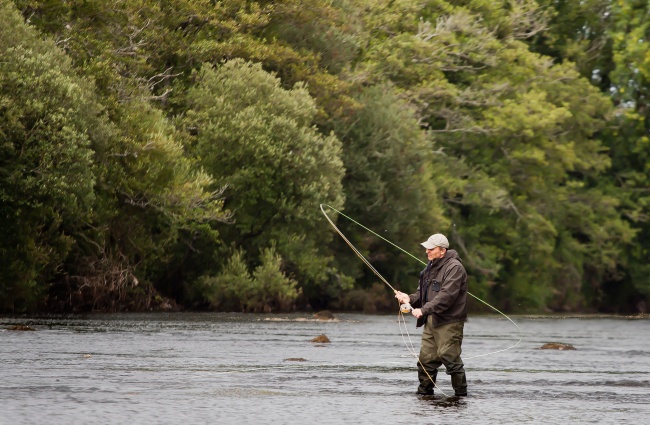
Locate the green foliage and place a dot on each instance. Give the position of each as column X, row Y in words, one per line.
column 318, row 26
column 516, row 136
column 629, row 141
column 142, row 144
column 149, row 44
column 151, row 196
column 387, row 184
column 229, row 289
column 275, row 164
column 372, row 300
column 99, row 202
column 275, row 290
column 49, row 120
column 606, row 39
column 235, row 289
column 577, row 32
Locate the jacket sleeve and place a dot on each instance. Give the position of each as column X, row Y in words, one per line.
column 449, row 290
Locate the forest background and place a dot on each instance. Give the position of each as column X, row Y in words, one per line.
column 174, row 154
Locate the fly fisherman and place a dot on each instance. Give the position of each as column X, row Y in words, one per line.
column 441, row 299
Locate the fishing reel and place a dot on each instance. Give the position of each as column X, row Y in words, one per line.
column 405, row 308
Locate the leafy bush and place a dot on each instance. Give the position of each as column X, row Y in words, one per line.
column 236, row 289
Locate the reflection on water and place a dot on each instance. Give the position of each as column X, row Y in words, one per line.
column 200, row 368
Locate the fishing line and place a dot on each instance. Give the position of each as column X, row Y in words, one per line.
column 353, row 248
column 409, row 346
column 400, row 317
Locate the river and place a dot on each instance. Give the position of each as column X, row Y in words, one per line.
column 209, row 368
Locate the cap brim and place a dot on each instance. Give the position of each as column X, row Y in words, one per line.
column 428, row 245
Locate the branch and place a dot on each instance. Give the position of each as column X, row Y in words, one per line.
column 457, row 238
column 528, row 19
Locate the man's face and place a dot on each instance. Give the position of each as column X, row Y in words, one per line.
column 434, row 253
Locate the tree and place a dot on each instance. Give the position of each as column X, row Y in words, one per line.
column 605, row 39
column 49, row 122
column 630, row 88
column 257, row 139
column 151, row 44
column 520, row 152
column 578, row 32
column 388, row 184
column 150, row 199
column 94, row 201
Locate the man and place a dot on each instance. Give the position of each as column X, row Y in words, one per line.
column 441, row 299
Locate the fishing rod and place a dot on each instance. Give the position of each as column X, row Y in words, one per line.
column 353, row 247
column 405, row 309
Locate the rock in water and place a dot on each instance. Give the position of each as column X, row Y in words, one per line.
column 20, row 328
column 321, row 339
column 556, row 346
column 324, row 315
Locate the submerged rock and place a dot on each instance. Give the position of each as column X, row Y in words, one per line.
column 20, row 328
column 324, row 315
column 321, row 339
column 556, row 346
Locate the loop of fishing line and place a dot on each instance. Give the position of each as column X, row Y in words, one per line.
column 401, row 318
column 409, row 346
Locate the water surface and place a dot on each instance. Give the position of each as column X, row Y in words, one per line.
column 261, row 369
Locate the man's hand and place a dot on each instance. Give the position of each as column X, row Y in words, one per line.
column 417, row 312
column 402, row 297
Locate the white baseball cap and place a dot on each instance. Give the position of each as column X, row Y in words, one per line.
column 436, row 240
